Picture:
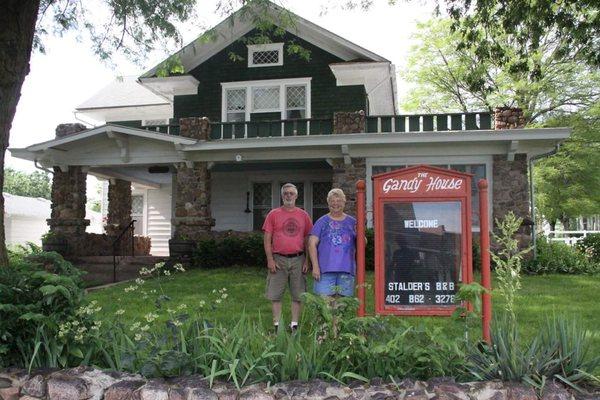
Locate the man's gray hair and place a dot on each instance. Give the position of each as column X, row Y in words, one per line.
column 289, row 185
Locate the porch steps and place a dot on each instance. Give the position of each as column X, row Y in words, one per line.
column 99, row 269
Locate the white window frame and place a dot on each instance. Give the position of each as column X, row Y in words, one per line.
column 410, row 161
column 254, row 48
column 251, row 85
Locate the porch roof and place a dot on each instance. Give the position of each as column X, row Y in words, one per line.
column 113, row 145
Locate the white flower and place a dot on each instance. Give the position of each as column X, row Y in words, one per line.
column 218, row 301
column 182, row 306
column 224, row 296
column 177, row 322
column 167, row 272
column 179, row 267
column 159, row 265
column 140, row 281
column 135, row 326
column 151, row 317
column 202, row 303
column 145, row 328
column 137, row 337
column 120, row 311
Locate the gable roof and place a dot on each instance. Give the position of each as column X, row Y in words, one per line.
column 122, row 92
column 238, row 24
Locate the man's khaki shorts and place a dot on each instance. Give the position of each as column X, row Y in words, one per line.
column 289, row 272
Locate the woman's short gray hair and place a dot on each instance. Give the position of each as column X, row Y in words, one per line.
column 336, row 193
column 289, row 185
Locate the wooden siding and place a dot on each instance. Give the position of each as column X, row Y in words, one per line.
column 326, row 97
column 158, row 215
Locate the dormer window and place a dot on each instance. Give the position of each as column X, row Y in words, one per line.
column 265, row 55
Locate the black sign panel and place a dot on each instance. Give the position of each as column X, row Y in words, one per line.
column 422, row 253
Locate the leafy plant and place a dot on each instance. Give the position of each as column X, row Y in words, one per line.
column 590, row 246
column 560, row 258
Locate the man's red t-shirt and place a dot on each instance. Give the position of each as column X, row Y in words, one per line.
column 289, row 228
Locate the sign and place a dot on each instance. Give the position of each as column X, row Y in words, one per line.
column 422, row 240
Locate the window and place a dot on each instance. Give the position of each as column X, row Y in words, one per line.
column 236, row 105
column 295, row 101
column 261, row 203
column 137, row 213
column 265, row 55
column 319, row 199
column 252, row 100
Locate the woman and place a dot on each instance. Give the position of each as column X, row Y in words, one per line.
column 332, row 249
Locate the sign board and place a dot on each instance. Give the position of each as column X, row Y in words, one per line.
column 422, row 219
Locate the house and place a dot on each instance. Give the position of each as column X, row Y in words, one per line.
column 25, row 219
column 207, row 149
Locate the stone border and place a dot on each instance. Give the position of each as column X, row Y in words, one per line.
column 88, row 383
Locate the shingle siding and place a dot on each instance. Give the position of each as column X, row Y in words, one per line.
column 326, row 97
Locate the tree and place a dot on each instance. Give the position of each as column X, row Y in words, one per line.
column 447, row 79
column 568, row 183
column 132, row 27
column 36, row 184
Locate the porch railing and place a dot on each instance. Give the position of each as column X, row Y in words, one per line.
column 275, row 128
column 324, row 126
column 429, row 122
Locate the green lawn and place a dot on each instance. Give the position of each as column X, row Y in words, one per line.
column 541, row 296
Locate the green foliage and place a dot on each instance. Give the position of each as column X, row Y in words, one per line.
column 560, row 350
column 507, row 260
column 590, row 246
column 568, row 183
column 230, row 250
column 35, row 184
column 560, row 258
column 38, row 292
column 450, row 76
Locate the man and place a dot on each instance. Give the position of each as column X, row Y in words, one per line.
column 286, row 230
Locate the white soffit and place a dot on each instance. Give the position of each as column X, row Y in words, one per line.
column 171, row 86
column 378, row 79
column 236, row 26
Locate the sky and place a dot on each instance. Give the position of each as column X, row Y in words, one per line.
column 69, row 73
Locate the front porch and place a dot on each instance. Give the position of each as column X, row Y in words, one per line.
column 185, row 180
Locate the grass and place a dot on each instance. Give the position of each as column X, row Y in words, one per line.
column 575, row 296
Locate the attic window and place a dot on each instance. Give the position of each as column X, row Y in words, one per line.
column 265, row 55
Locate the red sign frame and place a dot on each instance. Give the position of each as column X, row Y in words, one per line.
column 421, row 183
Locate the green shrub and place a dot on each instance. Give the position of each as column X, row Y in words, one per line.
column 590, row 246
column 559, row 258
column 38, row 292
column 244, row 250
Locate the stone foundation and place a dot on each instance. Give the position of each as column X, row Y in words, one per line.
column 88, row 383
column 508, row 118
column 94, row 244
column 195, row 128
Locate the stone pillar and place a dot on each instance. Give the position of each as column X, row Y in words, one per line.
column 68, row 193
column 508, row 118
column 349, row 122
column 195, row 128
column 68, row 202
column 347, row 170
column 192, row 216
column 510, row 180
column 119, row 206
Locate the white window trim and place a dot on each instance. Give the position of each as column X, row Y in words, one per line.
column 253, row 48
column 250, row 85
column 431, row 160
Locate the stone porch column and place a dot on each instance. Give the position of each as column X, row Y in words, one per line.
column 510, row 181
column 346, row 171
column 68, row 193
column 119, row 206
column 192, row 216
